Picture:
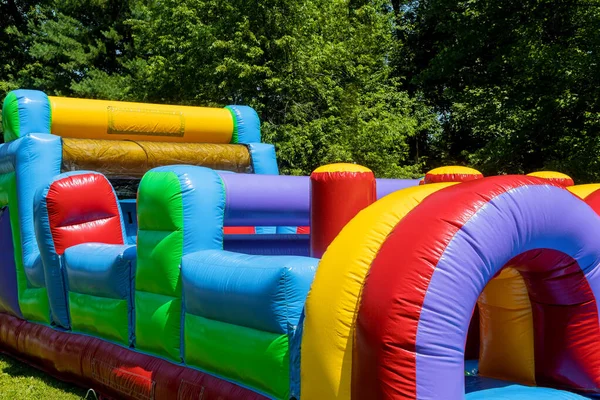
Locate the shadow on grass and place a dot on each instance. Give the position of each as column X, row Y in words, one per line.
column 17, row 369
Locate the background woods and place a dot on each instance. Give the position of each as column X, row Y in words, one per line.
column 399, row 86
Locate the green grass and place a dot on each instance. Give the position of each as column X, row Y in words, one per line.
column 20, row 381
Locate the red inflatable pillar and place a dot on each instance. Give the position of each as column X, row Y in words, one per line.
column 338, row 193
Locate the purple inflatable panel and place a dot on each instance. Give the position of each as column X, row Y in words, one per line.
column 278, row 200
column 387, row 186
column 9, row 297
column 266, row 200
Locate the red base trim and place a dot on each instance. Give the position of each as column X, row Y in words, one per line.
column 238, row 230
column 111, row 370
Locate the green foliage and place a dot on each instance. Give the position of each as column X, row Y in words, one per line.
column 19, row 381
column 505, row 86
column 66, row 47
column 516, row 82
column 317, row 72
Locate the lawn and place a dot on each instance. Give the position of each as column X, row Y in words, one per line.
column 20, row 381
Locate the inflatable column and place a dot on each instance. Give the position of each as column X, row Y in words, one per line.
column 338, row 193
column 171, row 212
column 557, row 178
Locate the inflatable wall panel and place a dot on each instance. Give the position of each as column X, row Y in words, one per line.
column 240, row 314
column 9, row 296
column 100, row 281
column 26, row 165
column 74, row 208
column 165, row 233
column 107, row 158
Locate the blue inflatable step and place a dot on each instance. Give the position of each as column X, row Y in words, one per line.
column 513, row 391
column 480, row 388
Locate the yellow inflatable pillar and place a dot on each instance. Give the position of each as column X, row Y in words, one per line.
column 506, row 323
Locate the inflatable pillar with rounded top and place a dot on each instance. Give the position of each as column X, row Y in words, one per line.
column 555, row 177
column 338, row 193
column 452, row 173
column 583, row 191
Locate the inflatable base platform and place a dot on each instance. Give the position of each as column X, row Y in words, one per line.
column 113, row 371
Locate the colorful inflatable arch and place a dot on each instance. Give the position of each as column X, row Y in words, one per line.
column 406, row 283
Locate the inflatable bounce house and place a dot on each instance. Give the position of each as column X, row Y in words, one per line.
column 153, row 252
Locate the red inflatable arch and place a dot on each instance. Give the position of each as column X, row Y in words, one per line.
column 424, row 282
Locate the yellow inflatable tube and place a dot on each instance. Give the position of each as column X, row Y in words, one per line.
column 115, row 120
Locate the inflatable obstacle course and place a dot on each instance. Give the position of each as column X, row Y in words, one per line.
column 171, row 306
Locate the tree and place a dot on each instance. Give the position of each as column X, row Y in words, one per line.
column 316, row 71
column 515, row 83
column 66, row 47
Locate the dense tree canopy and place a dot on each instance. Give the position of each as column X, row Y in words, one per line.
column 516, row 83
column 504, row 86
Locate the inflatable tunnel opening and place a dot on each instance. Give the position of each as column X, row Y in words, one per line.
column 413, row 320
column 532, row 315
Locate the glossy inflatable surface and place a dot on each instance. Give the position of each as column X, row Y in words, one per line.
column 115, row 120
column 389, row 311
column 246, row 127
column 107, row 156
column 25, row 111
column 506, row 321
column 327, row 358
column 26, row 165
column 452, row 173
column 554, row 177
column 465, row 243
column 74, row 208
column 9, row 296
column 338, row 193
column 170, row 204
column 583, row 191
column 241, row 312
column 100, row 285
